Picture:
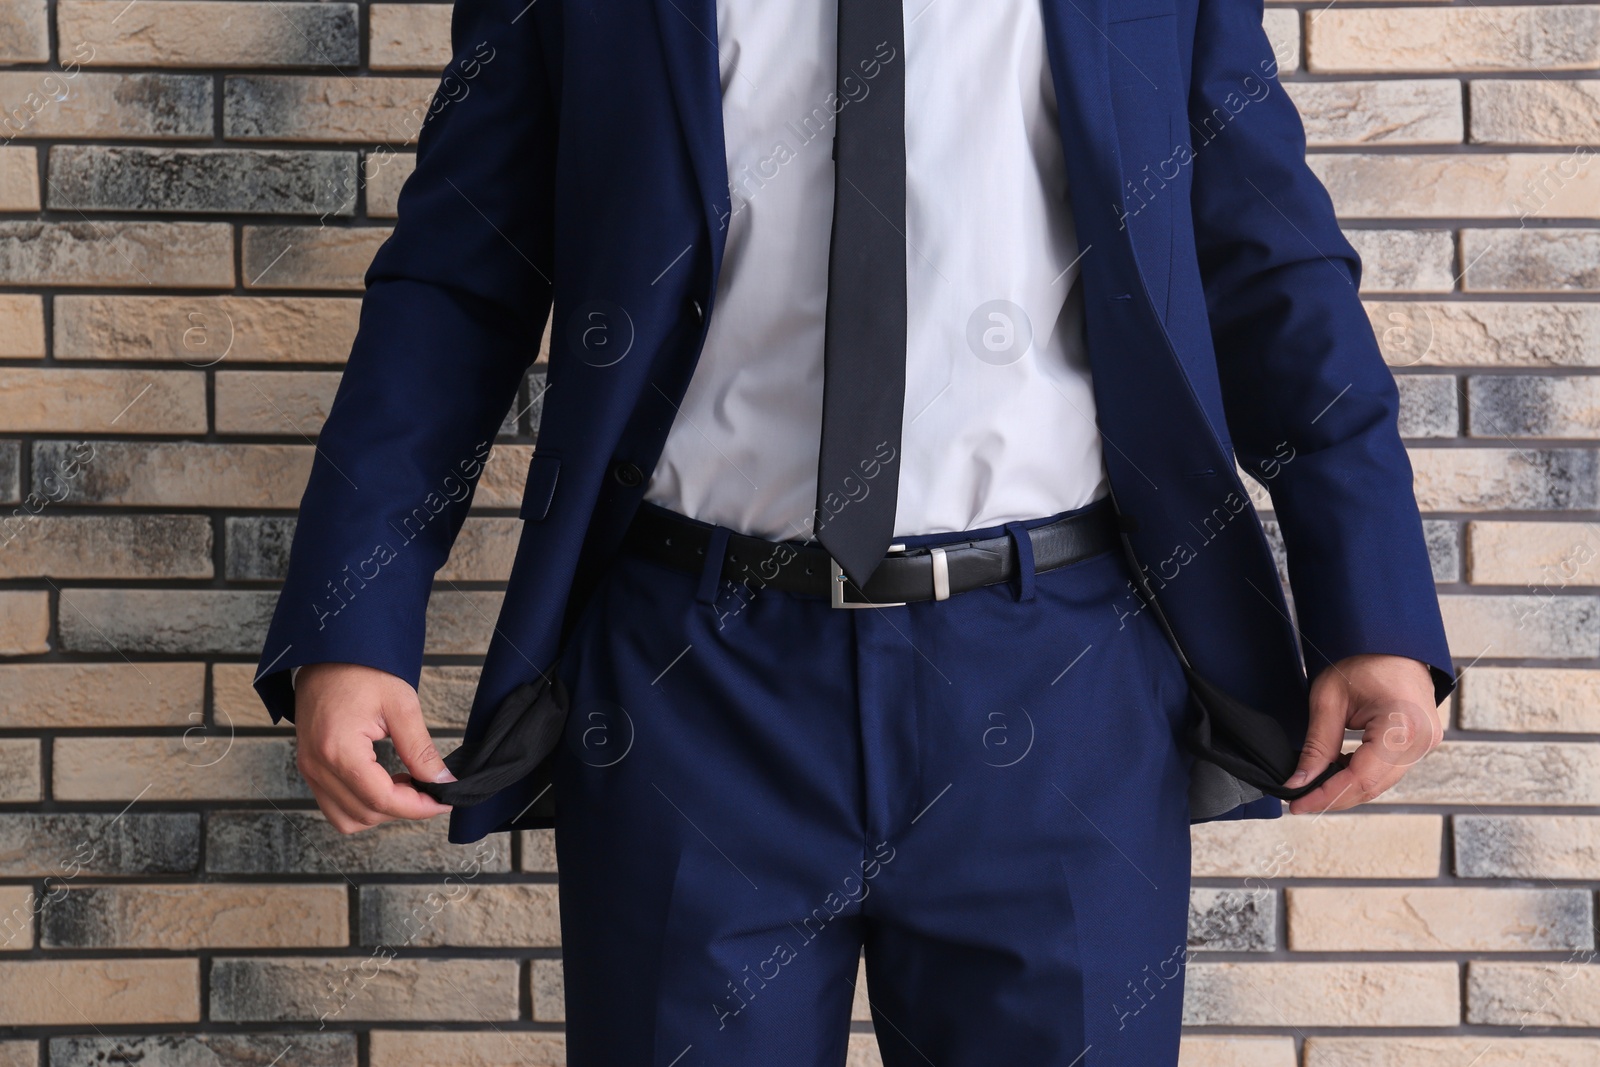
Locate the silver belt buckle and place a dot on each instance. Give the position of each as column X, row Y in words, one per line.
column 837, row 578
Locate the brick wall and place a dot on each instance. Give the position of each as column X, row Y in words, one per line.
column 189, row 193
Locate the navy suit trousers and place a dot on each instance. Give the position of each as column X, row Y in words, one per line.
column 985, row 796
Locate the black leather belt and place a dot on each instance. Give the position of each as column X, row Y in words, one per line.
column 930, row 572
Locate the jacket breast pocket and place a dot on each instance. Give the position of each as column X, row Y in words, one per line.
column 1147, row 104
column 543, row 472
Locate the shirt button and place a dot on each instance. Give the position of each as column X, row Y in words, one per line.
column 627, row 475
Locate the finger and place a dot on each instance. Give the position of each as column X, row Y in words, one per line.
column 1400, row 732
column 1367, row 776
column 356, row 765
column 343, row 809
column 414, row 745
column 1330, row 706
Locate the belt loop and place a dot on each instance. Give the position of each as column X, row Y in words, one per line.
column 711, row 566
column 1023, row 545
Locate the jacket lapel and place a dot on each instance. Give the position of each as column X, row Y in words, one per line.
column 1075, row 36
column 689, row 39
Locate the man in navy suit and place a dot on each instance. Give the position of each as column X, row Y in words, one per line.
column 884, row 533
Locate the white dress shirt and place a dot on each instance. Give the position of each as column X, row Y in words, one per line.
column 999, row 415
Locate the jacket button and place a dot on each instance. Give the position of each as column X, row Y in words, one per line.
column 699, row 312
column 627, row 475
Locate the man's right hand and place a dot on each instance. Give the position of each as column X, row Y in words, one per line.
column 340, row 711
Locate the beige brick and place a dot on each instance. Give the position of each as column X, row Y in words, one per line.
column 1426, row 111
column 117, row 252
column 1486, row 773
column 1311, row 846
column 309, row 257
column 1494, row 479
column 19, row 179
column 291, row 403
column 1283, row 32
column 483, row 551
column 83, row 992
column 77, row 103
column 63, row 400
column 19, row 770
column 1405, row 261
column 206, row 330
column 19, row 1053
column 461, row 913
column 189, row 917
column 539, row 851
column 17, row 911
column 1531, row 700
column 1322, row 994
column 1477, row 1050
column 199, row 765
column 468, row 1048
column 61, row 695
column 280, row 107
column 1539, row 260
column 1487, row 333
column 409, row 36
column 1236, row 1051
column 1528, row 846
column 21, row 326
column 346, row 989
column 24, row 622
column 1535, row 111
column 212, row 33
column 1438, row 919
column 24, row 32
column 460, row 622
column 445, row 692
column 186, row 474
column 106, row 546
column 1550, row 556
column 385, row 173
column 862, row 1051
column 1565, row 993
column 1554, row 37
column 505, row 473
column 547, row 991
column 1478, row 186
column 1544, row 626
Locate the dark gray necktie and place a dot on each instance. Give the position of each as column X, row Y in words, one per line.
column 864, row 353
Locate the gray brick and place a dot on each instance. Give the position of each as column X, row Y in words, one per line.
column 1444, row 548
column 280, row 1048
column 1531, row 260
column 63, row 845
column 1527, row 846
column 1233, row 920
column 153, row 105
column 1507, row 627
column 173, row 254
column 386, row 111
column 1429, row 405
column 1532, row 405
column 260, row 989
column 257, row 181
column 1495, row 479
column 106, row 546
column 302, row 843
column 10, row 472
column 209, row 621
column 1405, row 261
column 258, row 547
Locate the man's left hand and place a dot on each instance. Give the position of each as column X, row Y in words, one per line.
column 1390, row 700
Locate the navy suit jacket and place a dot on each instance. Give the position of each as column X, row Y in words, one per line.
column 573, row 166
